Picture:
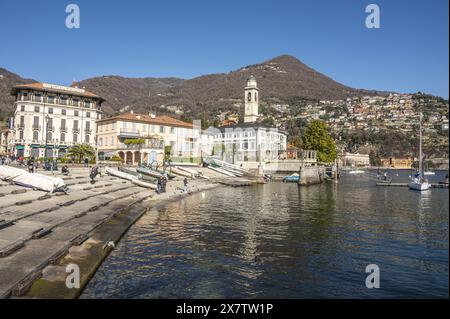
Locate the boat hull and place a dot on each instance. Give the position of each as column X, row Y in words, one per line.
column 419, row 186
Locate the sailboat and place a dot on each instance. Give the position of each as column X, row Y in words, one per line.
column 418, row 182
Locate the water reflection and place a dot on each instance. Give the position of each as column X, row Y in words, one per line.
column 278, row 240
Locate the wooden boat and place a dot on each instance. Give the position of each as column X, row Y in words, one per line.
column 148, row 172
column 129, row 177
column 140, row 176
column 180, row 172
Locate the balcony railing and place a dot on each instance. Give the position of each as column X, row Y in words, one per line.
column 76, row 130
column 50, row 128
column 36, row 127
column 20, row 126
column 63, row 129
column 87, row 131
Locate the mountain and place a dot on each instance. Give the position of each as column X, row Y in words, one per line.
column 7, row 81
column 281, row 80
column 121, row 92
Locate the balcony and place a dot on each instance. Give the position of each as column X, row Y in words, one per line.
column 20, row 126
column 36, row 127
column 50, row 128
column 88, row 131
column 76, row 130
column 129, row 134
column 63, row 129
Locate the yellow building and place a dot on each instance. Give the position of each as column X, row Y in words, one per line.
column 157, row 132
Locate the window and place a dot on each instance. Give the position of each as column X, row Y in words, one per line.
column 49, row 136
column 249, row 97
column 172, row 130
column 51, row 99
column 20, row 135
column 88, row 114
column 22, row 108
column 76, row 102
column 75, row 124
column 63, row 112
column 63, row 137
column 75, row 138
column 86, row 139
column 63, row 123
column 100, row 142
column 161, row 129
column 37, row 109
column 63, row 100
column 75, row 113
column 112, row 140
column 50, row 110
column 35, row 136
column 87, row 104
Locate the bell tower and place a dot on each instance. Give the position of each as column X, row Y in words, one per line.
column 251, row 101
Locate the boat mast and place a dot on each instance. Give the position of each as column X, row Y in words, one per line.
column 420, row 148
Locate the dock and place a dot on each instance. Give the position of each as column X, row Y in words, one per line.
column 406, row 185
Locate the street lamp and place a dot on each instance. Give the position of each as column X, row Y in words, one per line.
column 47, row 118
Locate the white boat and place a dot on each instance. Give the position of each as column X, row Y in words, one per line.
column 429, row 173
column 418, row 182
column 356, row 172
column 129, row 177
column 32, row 180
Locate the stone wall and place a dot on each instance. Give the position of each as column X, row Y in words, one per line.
column 310, row 175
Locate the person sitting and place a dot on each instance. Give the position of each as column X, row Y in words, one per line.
column 65, row 170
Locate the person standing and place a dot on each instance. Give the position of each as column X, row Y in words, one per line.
column 185, row 182
column 86, row 162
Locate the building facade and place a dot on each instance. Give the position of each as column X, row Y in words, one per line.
column 50, row 118
column 143, row 138
column 395, row 162
column 350, row 159
column 250, row 141
column 6, row 141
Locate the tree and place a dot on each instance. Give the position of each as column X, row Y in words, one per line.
column 375, row 159
column 318, row 138
column 296, row 140
column 80, row 151
column 167, row 153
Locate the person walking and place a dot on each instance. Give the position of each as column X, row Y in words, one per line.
column 94, row 173
column 185, row 182
column 86, row 162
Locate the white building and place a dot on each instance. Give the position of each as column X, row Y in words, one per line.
column 53, row 118
column 250, row 141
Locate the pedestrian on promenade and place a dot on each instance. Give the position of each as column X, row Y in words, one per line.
column 185, row 182
column 86, row 162
column 30, row 164
column 158, row 185
column 163, row 184
column 94, row 172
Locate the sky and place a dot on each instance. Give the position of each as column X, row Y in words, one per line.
column 189, row 38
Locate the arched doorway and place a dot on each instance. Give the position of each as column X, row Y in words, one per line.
column 122, row 156
column 129, row 158
column 137, row 158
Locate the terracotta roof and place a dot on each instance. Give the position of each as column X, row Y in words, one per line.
column 45, row 87
column 146, row 118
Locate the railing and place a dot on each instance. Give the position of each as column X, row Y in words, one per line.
column 36, row 127
column 87, row 131
column 76, row 130
column 63, row 129
column 20, row 126
column 50, row 128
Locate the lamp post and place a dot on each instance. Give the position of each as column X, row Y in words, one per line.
column 46, row 141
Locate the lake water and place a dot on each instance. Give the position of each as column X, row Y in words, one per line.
column 282, row 241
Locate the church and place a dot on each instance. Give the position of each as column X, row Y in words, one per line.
column 250, row 141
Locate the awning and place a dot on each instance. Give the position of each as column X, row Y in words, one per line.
column 35, row 146
column 20, row 147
